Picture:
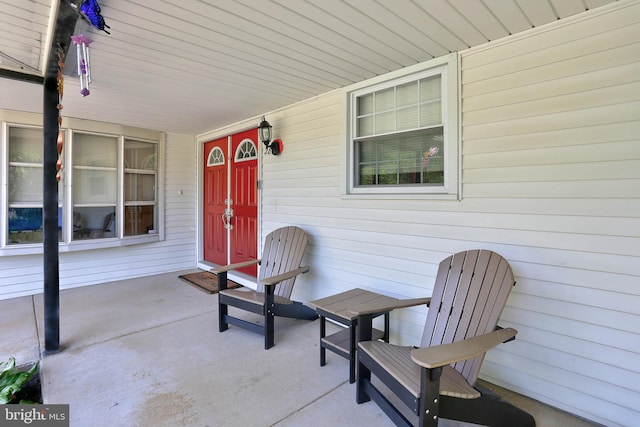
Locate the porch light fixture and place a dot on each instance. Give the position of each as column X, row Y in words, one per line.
column 264, row 132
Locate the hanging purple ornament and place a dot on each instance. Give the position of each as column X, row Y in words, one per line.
column 82, row 49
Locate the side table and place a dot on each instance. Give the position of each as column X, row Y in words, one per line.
column 336, row 307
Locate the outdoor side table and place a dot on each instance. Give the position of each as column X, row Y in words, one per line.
column 336, row 307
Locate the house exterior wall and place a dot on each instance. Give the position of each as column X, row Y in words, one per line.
column 551, row 140
column 550, row 180
column 23, row 274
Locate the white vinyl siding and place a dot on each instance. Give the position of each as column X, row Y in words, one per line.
column 550, row 180
column 551, row 137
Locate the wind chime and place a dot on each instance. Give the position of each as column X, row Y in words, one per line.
column 90, row 10
column 84, row 71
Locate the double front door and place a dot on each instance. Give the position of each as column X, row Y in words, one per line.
column 231, row 199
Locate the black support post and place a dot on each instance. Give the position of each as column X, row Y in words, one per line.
column 65, row 23
column 50, row 218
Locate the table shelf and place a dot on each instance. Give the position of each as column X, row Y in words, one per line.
column 340, row 342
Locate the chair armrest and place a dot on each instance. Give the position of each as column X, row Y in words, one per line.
column 274, row 280
column 223, row 268
column 446, row 354
column 388, row 305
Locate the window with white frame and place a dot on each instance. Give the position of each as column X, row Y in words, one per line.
column 24, row 186
column 108, row 193
column 140, row 184
column 403, row 133
column 94, row 185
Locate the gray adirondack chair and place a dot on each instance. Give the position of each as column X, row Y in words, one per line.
column 438, row 380
column 279, row 266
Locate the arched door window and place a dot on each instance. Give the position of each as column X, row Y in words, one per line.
column 216, row 157
column 247, row 150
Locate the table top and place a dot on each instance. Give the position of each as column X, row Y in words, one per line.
column 338, row 305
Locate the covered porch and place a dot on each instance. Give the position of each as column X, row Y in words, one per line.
column 147, row 352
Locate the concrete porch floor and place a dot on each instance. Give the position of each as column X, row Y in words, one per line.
column 147, row 352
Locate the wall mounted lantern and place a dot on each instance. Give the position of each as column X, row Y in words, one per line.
column 264, row 132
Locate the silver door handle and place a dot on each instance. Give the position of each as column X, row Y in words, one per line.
column 226, row 218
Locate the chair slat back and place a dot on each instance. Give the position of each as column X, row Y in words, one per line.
column 470, row 291
column 283, row 251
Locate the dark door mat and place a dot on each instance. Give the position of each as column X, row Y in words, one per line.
column 206, row 282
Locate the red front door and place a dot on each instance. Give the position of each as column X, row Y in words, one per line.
column 215, row 193
column 244, row 189
column 231, row 200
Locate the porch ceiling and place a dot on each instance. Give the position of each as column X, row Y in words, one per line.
column 189, row 66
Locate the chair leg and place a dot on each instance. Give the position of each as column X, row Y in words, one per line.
column 323, row 333
column 269, row 316
column 353, row 344
column 428, row 405
column 363, row 377
column 223, row 309
column 364, row 328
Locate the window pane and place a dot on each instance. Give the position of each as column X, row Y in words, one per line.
column 25, row 145
column 25, row 184
column 409, row 171
column 385, row 100
column 407, row 118
column 431, row 114
column 367, row 175
column 410, row 158
column 366, row 151
column 94, row 186
column 431, row 89
column 94, row 222
column 139, row 187
column 385, row 122
column 139, row 155
column 433, row 157
column 387, row 148
column 407, row 94
column 364, row 105
column 95, row 150
column 25, row 225
column 138, row 220
column 387, row 173
column 365, row 126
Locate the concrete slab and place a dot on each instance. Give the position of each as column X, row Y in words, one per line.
column 18, row 334
column 187, row 373
column 147, row 352
column 98, row 313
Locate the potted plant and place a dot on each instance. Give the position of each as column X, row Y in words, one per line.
column 12, row 380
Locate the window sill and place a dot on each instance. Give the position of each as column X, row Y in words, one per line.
column 399, row 196
column 79, row 245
